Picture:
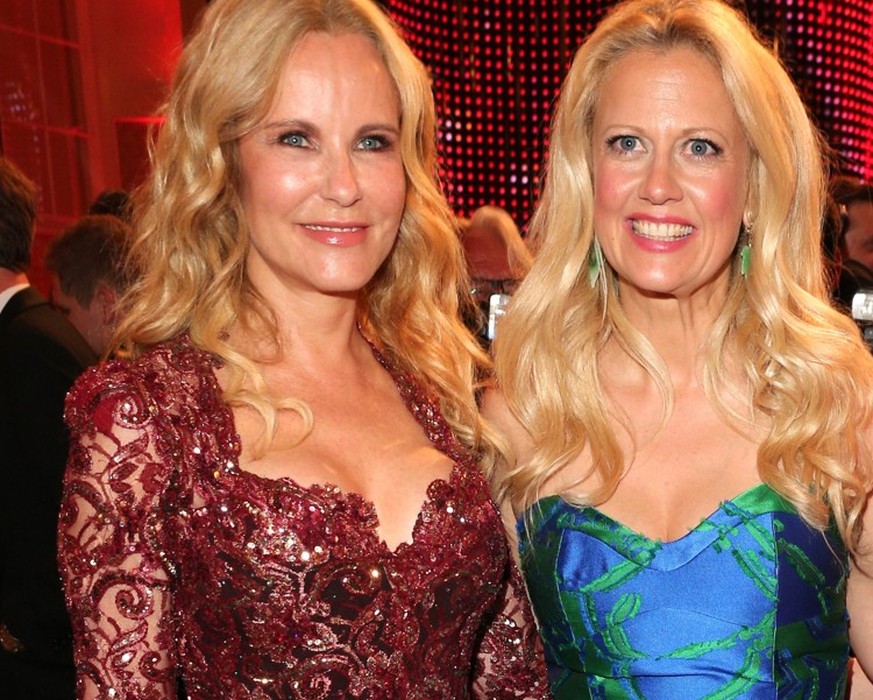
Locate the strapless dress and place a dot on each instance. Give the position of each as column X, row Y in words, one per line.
column 751, row 603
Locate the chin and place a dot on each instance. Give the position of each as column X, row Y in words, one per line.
column 344, row 287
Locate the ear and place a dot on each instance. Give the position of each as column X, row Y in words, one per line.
column 107, row 297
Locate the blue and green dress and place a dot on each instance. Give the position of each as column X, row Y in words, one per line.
column 749, row 604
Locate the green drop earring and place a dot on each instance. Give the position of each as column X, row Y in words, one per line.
column 746, row 250
column 594, row 262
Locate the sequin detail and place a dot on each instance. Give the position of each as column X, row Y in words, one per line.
column 178, row 563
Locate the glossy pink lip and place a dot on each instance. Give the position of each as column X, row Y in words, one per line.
column 336, row 235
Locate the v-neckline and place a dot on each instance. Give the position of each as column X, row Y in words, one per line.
column 324, row 488
column 753, row 493
column 335, row 495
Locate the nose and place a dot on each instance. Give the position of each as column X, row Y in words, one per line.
column 660, row 184
column 341, row 180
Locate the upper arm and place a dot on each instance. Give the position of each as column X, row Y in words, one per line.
column 515, row 629
column 510, row 664
column 860, row 595
column 116, row 583
column 517, row 441
column 496, row 411
column 861, row 687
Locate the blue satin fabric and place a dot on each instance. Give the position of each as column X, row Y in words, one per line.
column 749, row 604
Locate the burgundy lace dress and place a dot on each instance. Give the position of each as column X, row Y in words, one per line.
column 179, row 564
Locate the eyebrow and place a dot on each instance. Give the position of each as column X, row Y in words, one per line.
column 381, row 127
column 305, row 125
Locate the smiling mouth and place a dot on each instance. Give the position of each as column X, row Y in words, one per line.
column 337, row 236
column 332, row 229
column 661, row 231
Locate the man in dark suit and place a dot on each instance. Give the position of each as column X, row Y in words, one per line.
column 40, row 356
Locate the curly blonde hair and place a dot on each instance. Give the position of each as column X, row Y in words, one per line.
column 808, row 373
column 192, row 238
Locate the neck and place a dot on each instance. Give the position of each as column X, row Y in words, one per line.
column 10, row 278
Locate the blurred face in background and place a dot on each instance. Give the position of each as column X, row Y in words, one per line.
column 95, row 321
column 859, row 232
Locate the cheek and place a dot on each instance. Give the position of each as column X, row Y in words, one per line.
column 399, row 202
column 392, row 206
column 386, row 189
column 612, row 186
column 721, row 194
column 724, row 201
column 610, row 199
column 281, row 185
column 269, row 183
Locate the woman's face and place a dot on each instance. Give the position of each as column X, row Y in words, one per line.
column 670, row 174
column 323, row 183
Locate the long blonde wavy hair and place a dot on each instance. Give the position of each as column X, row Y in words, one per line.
column 808, row 373
column 192, row 238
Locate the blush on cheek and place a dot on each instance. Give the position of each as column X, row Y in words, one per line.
column 608, row 200
column 609, row 187
column 719, row 196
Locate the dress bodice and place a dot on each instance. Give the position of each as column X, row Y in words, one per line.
column 749, row 604
column 178, row 562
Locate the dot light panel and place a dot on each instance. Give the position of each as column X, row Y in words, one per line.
column 497, row 66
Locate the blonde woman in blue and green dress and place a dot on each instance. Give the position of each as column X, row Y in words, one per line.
column 687, row 420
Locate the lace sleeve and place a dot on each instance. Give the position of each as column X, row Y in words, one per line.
column 115, row 581
column 511, row 663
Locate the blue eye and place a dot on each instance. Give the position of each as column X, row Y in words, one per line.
column 701, row 148
column 294, row 139
column 623, row 143
column 374, row 143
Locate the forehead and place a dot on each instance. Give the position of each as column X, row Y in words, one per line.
column 314, row 47
column 680, row 84
column 345, row 63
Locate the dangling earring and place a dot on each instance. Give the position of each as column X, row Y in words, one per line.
column 746, row 250
column 595, row 262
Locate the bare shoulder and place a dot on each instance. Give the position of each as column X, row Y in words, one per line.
column 496, row 410
column 860, row 596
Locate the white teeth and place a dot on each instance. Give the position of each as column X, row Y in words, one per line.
column 332, row 229
column 661, row 231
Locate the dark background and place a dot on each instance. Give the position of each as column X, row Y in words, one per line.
column 80, row 80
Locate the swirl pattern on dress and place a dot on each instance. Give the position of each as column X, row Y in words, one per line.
column 178, row 563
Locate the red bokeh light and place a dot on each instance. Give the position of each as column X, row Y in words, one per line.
column 497, row 67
